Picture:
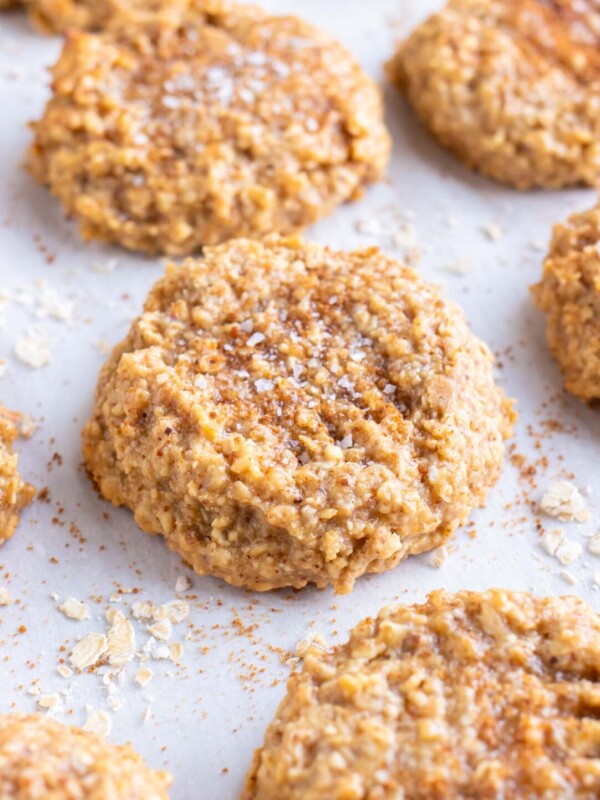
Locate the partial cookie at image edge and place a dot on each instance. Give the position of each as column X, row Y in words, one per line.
column 468, row 696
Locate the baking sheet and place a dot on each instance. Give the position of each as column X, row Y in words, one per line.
column 203, row 717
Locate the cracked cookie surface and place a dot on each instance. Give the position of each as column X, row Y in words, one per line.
column 569, row 296
column 512, row 87
column 40, row 759
column 286, row 414
column 469, row 696
column 214, row 122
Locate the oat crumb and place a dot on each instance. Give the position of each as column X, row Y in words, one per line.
column 564, row 501
column 99, row 722
column 143, row 676
column 75, row 609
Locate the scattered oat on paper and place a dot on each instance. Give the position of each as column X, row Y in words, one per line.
column 568, row 577
column 64, row 671
column 459, row 267
column 99, row 722
column 551, row 541
column 175, row 651
column 89, row 651
column 306, row 644
column 564, row 550
column 75, row 609
column 438, row 557
column 564, row 501
column 568, row 552
column 5, row 597
column 121, row 641
column 594, row 544
column 143, row 676
column 161, row 630
column 143, row 610
column 48, row 701
column 34, row 350
column 175, row 611
column 182, row 584
column 492, row 231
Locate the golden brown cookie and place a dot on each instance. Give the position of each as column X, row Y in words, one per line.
column 15, row 494
column 166, row 137
column 60, row 16
column 569, row 296
column 469, row 696
column 283, row 414
column 41, row 759
column 512, row 87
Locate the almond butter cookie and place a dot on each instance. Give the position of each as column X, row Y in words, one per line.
column 512, row 87
column 219, row 121
column 469, row 696
column 15, row 494
column 569, row 296
column 40, row 759
column 283, row 414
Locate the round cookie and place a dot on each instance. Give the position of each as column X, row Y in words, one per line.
column 469, row 696
column 40, row 759
column 286, row 414
column 15, row 494
column 512, row 87
column 219, row 122
column 569, row 296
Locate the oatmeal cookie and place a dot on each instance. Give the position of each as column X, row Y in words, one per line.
column 15, row 494
column 569, row 296
column 285, row 414
column 219, row 122
column 512, row 87
column 60, row 16
column 469, row 696
column 41, row 759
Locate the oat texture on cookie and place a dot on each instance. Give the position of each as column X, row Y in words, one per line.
column 512, row 87
column 40, row 759
column 286, row 414
column 212, row 122
column 469, row 696
column 15, row 494
column 61, row 16
column 569, row 296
